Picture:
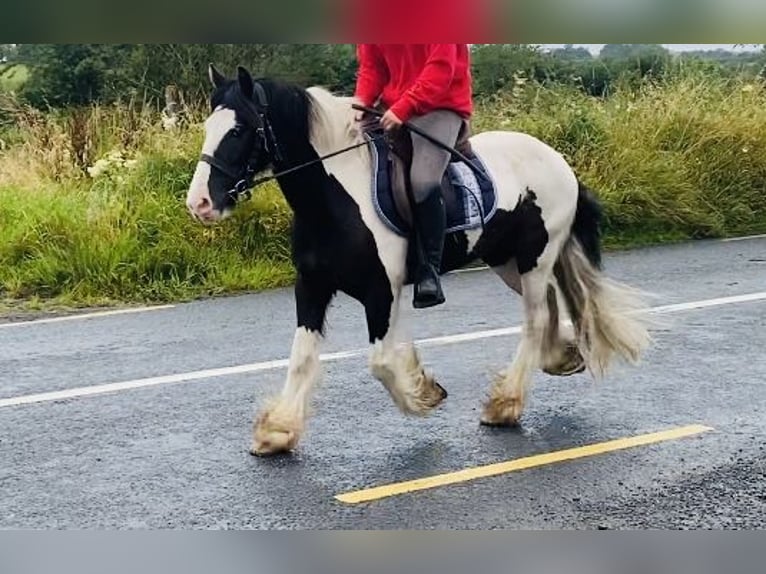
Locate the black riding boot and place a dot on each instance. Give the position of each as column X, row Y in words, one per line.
column 430, row 221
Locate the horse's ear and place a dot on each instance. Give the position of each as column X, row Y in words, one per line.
column 245, row 82
column 216, row 77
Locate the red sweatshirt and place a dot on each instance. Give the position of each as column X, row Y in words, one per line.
column 413, row 79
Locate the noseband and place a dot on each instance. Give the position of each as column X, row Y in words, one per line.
column 244, row 178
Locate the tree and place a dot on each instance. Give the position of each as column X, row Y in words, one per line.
column 74, row 74
column 569, row 52
column 493, row 66
column 634, row 62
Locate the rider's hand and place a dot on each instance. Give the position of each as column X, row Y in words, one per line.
column 390, row 121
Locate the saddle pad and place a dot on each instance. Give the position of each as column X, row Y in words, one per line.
column 461, row 194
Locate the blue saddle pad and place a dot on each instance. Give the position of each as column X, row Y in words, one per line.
column 463, row 191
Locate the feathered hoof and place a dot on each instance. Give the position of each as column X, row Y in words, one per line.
column 502, row 412
column 273, row 434
column 429, row 395
column 437, row 394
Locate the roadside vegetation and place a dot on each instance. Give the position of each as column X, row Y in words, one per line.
column 92, row 192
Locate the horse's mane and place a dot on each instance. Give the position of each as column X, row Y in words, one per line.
column 333, row 122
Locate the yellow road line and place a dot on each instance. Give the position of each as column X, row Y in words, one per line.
column 467, row 474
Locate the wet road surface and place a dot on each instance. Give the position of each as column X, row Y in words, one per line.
column 142, row 420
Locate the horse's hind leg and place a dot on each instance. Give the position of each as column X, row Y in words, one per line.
column 561, row 357
column 560, row 354
column 279, row 426
column 508, row 393
column 396, row 364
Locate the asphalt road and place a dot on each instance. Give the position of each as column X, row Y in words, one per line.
column 172, row 452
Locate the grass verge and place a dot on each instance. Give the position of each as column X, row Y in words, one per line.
column 681, row 159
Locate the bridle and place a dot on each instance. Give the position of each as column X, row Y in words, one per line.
column 257, row 116
column 256, row 112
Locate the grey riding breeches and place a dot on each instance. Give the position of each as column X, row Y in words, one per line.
column 428, row 160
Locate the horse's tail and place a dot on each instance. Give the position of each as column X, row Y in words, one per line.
column 608, row 317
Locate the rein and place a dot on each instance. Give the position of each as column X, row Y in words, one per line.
column 413, row 128
column 262, row 180
column 476, row 169
column 246, row 181
column 244, row 186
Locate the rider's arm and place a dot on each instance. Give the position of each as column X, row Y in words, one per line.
column 372, row 75
column 432, row 82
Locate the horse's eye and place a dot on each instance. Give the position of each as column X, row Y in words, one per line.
column 236, row 132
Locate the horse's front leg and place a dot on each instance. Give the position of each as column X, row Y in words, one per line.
column 396, row 363
column 278, row 427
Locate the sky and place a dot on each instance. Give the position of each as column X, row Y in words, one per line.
column 594, row 48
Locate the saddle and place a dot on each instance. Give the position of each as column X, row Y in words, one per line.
column 469, row 200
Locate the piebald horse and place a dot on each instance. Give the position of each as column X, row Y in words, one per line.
column 543, row 241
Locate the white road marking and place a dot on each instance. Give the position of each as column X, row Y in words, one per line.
column 744, row 238
column 469, row 270
column 162, row 380
column 709, row 303
column 464, row 337
column 84, row 316
column 329, row 357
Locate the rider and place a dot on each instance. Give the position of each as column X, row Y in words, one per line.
column 428, row 85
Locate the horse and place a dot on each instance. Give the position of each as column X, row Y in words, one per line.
column 543, row 240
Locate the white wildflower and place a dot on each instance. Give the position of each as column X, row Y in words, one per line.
column 111, row 165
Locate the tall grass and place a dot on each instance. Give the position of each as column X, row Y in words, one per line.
column 685, row 158
column 92, row 212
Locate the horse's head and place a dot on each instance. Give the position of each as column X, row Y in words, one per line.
column 235, row 146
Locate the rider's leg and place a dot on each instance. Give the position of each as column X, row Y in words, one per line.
column 428, row 164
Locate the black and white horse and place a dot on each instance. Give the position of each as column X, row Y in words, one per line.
column 542, row 240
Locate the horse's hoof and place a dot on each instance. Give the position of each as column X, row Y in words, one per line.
column 275, row 442
column 572, row 364
column 434, row 397
column 502, row 412
column 274, row 433
column 500, row 424
column 565, row 370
